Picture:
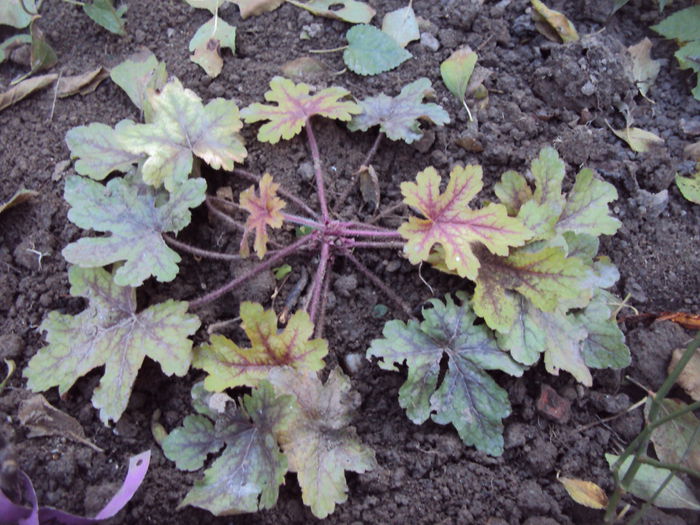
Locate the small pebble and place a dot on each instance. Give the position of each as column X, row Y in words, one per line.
column 428, row 40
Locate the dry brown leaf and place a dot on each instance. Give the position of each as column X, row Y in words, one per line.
column 83, row 84
column 304, row 69
column 644, row 68
column 638, row 139
column 689, row 321
column 256, row 7
column 690, row 376
column 586, row 493
column 24, row 89
column 692, row 151
column 673, row 441
column 43, row 419
column 553, row 24
column 369, row 187
column 20, row 196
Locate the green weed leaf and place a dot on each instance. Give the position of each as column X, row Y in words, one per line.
column 137, row 216
column 399, row 116
column 13, row 14
column 294, row 107
column 137, row 75
column 182, row 127
column 676, row 495
column 228, row 365
column 109, row 332
column 457, row 70
column 450, row 222
column 467, row 397
column 247, row 475
column 104, row 13
column 371, row 51
column 99, row 150
column 690, row 187
column 352, row 11
column 319, row 442
column 207, row 43
column 681, row 25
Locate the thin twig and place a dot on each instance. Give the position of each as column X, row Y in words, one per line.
column 613, row 417
column 387, row 211
column 378, row 245
column 317, row 283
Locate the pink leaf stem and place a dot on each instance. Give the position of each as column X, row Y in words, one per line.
column 296, row 219
column 368, row 233
column 316, row 156
column 370, row 244
column 200, row 252
column 379, row 284
column 279, row 255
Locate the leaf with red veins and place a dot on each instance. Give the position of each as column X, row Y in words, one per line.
column 294, row 108
column 265, row 210
column 450, row 222
column 229, row 365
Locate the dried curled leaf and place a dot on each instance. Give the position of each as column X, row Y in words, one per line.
column 20, row 196
column 294, row 108
column 350, row 11
column 584, row 492
column 207, row 43
column 689, row 378
column 644, row 68
column 371, row 51
column 450, row 222
column 553, row 24
column 265, row 210
column 318, row 441
column 136, row 216
column 182, row 127
column 467, row 397
column 228, row 365
column 24, row 89
column 247, row 475
column 399, row 117
column 109, row 332
column 638, row 139
column 256, row 7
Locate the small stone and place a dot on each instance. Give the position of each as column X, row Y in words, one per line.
column 588, row 88
column 139, row 36
column 553, row 406
column 170, row 32
column 354, row 362
column 654, row 203
column 429, row 41
column 393, row 266
column 306, row 170
column 426, row 142
column 439, row 158
column 610, row 403
column 11, row 346
column 312, row 30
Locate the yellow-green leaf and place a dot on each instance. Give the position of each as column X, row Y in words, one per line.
column 229, row 365
column 294, row 106
column 207, row 43
column 450, row 222
column 553, row 24
column 638, row 139
column 690, row 187
column 586, row 493
column 457, row 70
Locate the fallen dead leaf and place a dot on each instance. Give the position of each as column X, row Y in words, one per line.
column 256, row 7
column 692, row 151
column 24, row 89
column 689, row 379
column 83, row 84
column 638, row 139
column 689, row 321
column 369, row 187
column 43, row 419
column 674, row 441
column 586, row 493
column 553, row 24
column 304, row 69
column 20, row 196
column 644, row 68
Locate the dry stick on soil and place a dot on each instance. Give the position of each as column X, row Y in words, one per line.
column 613, row 417
column 387, row 212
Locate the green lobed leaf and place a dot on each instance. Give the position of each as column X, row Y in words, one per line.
column 690, row 187
column 295, row 107
column 137, row 75
column 136, row 216
column 401, row 25
column 182, row 127
column 104, row 14
column 682, row 25
column 247, row 475
column 512, row 191
column 109, row 332
column 676, row 495
column 450, row 223
column 13, row 14
column 99, row 150
column 467, row 397
column 586, row 209
column 189, row 445
column 207, row 43
column 228, row 365
column 350, row 11
column 399, row 116
column 319, row 442
column 545, row 277
column 371, row 51
column 604, row 345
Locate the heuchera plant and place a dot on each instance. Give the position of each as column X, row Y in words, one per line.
column 532, row 257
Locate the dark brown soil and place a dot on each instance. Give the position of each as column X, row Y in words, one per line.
column 425, row 475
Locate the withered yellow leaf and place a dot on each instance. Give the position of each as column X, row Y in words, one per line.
column 553, row 24
column 586, row 493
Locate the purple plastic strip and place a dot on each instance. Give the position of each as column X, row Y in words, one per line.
column 12, row 513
